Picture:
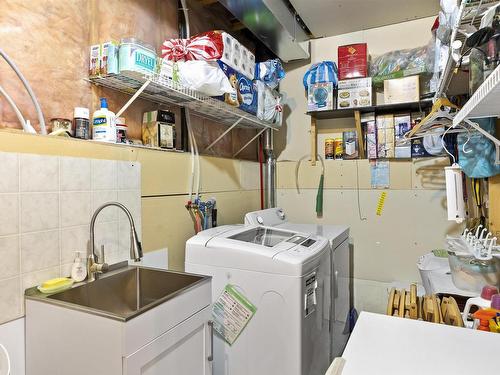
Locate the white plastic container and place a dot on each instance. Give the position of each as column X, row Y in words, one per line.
column 103, row 124
column 136, row 56
column 78, row 270
column 483, row 301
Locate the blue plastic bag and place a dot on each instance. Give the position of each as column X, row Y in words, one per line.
column 322, row 72
column 480, row 162
column 270, row 72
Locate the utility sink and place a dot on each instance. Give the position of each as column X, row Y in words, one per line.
column 129, row 321
column 127, row 293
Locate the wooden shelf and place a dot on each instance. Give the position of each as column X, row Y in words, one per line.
column 380, row 109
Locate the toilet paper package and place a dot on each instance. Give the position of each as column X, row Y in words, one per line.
column 245, row 95
column 236, row 56
column 247, row 63
column 269, row 107
column 244, row 61
column 228, row 45
column 251, row 65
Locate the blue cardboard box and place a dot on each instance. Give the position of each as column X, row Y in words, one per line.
column 246, row 92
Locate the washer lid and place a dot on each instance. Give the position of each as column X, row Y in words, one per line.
column 269, row 237
column 257, row 240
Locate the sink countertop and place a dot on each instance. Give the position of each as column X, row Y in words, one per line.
column 124, row 316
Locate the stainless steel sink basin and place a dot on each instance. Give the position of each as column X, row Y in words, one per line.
column 124, row 294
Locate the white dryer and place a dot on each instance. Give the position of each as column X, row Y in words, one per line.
column 338, row 236
column 286, row 275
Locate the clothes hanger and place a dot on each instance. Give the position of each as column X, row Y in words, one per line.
column 436, row 112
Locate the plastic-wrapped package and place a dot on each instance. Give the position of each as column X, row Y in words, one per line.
column 205, row 77
column 270, row 72
column 269, row 107
column 402, row 63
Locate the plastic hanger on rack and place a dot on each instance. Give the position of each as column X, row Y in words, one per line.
column 437, row 112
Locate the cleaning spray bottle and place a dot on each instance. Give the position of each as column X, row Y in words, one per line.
column 103, row 124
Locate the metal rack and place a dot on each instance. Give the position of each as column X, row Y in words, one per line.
column 160, row 89
column 484, row 103
column 469, row 13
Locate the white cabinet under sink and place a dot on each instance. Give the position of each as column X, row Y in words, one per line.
column 174, row 337
column 180, row 351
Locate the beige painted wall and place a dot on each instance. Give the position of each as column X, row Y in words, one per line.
column 165, row 221
column 413, row 222
column 293, row 140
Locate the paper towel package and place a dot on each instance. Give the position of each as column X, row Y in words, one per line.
column 245, row 96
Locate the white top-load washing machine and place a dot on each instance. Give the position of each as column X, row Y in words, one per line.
column 286, row 275
column 338, row 236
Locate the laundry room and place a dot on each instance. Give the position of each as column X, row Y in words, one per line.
column 220, row 187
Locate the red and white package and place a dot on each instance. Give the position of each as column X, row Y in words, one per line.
column 207, row 46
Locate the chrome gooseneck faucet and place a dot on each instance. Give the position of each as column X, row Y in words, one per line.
column 93, row 267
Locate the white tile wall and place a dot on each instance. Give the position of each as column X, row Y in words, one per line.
column 46, row 203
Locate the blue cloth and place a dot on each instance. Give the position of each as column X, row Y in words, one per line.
column 322, row 72
column 480, row 163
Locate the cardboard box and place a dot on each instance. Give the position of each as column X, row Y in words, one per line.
column 158, row 129
column 320, row 97
column 353, row 61
column 354, row 93
column 401, row 90
column 108, row 61
column 95, row 60
column 245, row 97
column 370, row 129
column 385, row 136
column 402, row 125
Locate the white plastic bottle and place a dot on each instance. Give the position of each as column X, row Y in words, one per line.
column 78, row 270
column 103, row 124
column 482, row 302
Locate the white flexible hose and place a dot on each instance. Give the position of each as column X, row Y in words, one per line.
column 18, row 113
column 41, row 120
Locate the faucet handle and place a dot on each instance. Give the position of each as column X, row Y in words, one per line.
column 102, row 257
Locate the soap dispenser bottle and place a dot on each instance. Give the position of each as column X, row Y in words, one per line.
column 103, row 124
column 78, row 270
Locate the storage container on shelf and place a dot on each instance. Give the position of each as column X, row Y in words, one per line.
column 136, row 56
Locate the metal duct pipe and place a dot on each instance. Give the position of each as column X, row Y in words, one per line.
column 270, row 171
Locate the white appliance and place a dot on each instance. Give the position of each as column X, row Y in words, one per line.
column 338, row 236
column 286, row 275
column 12, row 347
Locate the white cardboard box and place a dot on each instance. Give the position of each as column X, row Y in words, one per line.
column 353, row 93
column 401, row 90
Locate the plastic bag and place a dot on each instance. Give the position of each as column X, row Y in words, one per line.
column 480, row 163
column 269, row 107
column 270, row 72
column 322, row 72
column 205, row 77
column 402, row 63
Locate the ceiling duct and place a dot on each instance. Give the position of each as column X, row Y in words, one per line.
column 274, row 24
